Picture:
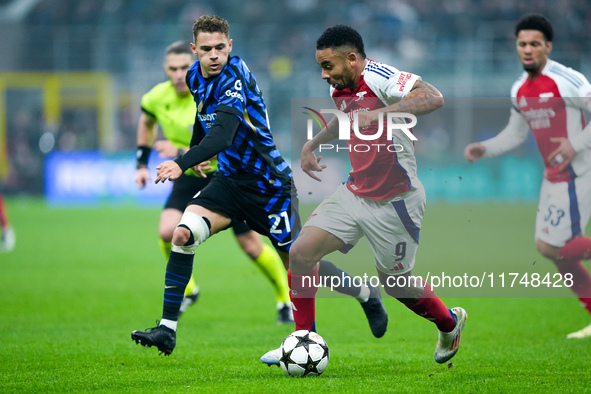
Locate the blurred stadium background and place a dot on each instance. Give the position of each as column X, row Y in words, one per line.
column 72, row 73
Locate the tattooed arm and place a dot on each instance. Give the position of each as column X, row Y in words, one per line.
column 422, row 99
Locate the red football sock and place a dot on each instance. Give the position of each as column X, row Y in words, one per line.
column 3, row 215
column 303, row 290
column 581, row 280
column 432, row 308
column 576, row 249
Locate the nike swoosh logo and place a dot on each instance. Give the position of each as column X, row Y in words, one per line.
column 169, row 287
column 284, row 243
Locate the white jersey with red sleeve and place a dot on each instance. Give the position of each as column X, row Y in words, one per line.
column 552, row 104
column 381, row 168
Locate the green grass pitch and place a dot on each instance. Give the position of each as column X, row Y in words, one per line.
column 80, row 280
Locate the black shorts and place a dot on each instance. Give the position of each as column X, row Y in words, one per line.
column 272, row 213
column 184, row 189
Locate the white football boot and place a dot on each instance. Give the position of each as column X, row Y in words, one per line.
column 582, row 333
column 272, row 357
column 8, row 239
column 449, row 342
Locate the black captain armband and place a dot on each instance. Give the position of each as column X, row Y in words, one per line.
column 142, row 155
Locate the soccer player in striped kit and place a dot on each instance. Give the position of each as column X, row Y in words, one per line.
column 549, row 98
column 170, row 104
column 383, row 199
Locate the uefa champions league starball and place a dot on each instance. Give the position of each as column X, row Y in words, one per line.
column 304, row 353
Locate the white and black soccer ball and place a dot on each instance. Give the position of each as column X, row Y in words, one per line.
column 304, row 353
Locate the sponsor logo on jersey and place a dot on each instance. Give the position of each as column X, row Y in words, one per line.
column 544, row 97
column 359, row 96
column 209, row 118
column 235, row 94
column 402, row 80
column 539, row 118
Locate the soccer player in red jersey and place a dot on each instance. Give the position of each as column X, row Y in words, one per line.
column 8, row 237
column 549, row 98
column 383, row 199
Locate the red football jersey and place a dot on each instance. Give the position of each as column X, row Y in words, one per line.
column 552, row 106
column 382, row 167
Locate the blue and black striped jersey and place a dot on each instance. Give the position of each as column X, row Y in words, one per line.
column 235, row 91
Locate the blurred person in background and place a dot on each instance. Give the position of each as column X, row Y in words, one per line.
column 549, row 99
column 170, row 104
column 8, row 235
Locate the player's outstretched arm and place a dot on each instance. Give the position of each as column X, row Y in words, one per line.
column 509, row 138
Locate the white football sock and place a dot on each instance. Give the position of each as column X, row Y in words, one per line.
column 364, row 294
column 168, row 323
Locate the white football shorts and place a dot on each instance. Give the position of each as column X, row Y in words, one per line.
column 564, row 210
column 391, row 226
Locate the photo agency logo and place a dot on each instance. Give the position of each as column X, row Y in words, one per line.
column 348, row 124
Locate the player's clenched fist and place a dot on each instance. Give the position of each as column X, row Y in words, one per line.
column 474, row 151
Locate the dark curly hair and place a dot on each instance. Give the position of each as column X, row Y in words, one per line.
column 340, row 36
column 535, row 22
column 211, row 24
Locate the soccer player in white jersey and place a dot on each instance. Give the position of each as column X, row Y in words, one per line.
column 383, row 199
column 548, row 99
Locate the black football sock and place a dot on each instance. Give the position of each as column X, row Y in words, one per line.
column 340, row 281
column 178, row 274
